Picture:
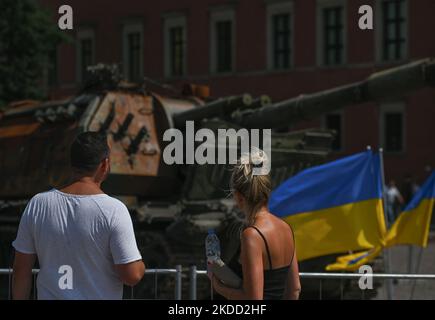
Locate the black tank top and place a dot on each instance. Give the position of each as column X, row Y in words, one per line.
column 274, row 279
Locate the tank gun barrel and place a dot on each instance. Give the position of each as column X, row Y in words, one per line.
column 262, row 101
column 219, row 107
column 385, row 84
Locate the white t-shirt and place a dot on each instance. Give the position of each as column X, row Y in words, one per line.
column 82, row 235
column 392, row 194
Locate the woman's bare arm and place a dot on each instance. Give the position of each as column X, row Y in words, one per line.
column 252, row 263
column 293, row 285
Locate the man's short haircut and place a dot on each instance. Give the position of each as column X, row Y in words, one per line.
column 88, row 150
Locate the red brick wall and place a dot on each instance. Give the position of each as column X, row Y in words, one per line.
column 361, row 123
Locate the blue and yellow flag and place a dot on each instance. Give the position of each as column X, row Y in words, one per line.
column 334, row 207
column 411, row 227
column 353, row 261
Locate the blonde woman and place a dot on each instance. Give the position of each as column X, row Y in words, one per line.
column 267, row 254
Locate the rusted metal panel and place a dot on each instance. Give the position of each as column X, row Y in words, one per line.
column 128, row 114
column 18, row 130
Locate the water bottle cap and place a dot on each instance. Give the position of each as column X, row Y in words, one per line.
column 211, row 231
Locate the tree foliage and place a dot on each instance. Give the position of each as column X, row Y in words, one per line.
column 28, row 35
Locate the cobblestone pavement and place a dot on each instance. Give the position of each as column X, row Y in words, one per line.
column 400, row 263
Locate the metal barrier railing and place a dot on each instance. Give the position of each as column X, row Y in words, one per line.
column 193, row 272
column 357, row 276
column 177, row 272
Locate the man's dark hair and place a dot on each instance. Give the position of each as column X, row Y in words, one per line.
column 88, row 150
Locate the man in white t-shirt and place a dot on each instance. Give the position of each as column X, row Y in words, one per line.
column 83, row 239
column 394, row 201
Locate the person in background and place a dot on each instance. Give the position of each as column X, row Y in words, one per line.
column 394, row 201
column 409, row 189
column 83, row 239
column 268, row 263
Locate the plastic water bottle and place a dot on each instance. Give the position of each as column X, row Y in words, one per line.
column 215, row 265
column 212, row 246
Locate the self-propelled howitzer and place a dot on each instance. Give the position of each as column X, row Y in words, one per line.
column 172, row 206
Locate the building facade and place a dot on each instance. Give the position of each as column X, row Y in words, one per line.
column 274, row 47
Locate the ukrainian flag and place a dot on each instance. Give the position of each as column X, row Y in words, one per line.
column 352, row 262
column 335, row 207
column 411, row 227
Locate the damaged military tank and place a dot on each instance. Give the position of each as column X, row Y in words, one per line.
column 172, row 205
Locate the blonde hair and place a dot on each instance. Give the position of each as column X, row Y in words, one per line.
column 255, row 188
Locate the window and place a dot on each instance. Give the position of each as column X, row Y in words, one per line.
column 223, row 52
column 280, row 36
column 333, row 37
column 281, row 41
column 334, row 121
column 331, row 33
column 133, row 52
column 393, row 127
column 393, row 131
column 222, row 41
column 85, row 52
column 176, row 51
column 175, row 46
column 393, row 30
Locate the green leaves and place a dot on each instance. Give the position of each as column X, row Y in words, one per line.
column 28, row 34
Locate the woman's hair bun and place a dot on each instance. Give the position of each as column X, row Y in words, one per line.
column 251, row 179
column 257, row 159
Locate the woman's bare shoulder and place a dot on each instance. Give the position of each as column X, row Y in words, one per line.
column 278, row 221
column 281, row 226
column 250, row 233
column 250, row 238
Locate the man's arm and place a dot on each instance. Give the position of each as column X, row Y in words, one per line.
column 126, row 256
column 131, row 273
column 22, row 276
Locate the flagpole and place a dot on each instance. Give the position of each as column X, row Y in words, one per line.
column 416, row 271
column 387, row 258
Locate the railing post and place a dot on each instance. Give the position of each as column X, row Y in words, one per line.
column 155, row 284
column 35, row 297
column 178, row 279
column 341, row 289
column 10, row 284
column 320, row 289
column 192, row 283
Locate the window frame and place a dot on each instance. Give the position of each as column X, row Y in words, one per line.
column 392, row 107
column 170, row 22
column 222, row 15
column 83, row 34
column 379, row 34
column 127, row 30
column 342, row 124
column 273, row 10
column 321, row 35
